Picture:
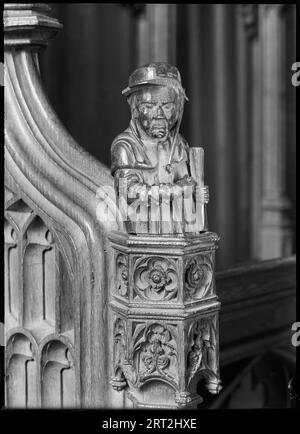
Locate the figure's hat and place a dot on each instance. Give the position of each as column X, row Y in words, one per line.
column 159, row 73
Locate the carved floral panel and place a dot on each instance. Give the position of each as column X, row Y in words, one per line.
column 154, row 352
column 151, row 353
column 155, row 278
column 198, row 277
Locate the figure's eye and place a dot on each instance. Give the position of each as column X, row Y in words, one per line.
column 168, row 106
column 149, row 105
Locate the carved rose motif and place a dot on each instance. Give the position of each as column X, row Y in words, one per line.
column 122, row 275
column 198, row 277
column 156, row 278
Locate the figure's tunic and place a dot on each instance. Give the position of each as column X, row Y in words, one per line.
column 143, row 169
column 129, row 153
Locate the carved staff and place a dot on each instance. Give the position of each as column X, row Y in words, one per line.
column 197, row 172
column 169, row 165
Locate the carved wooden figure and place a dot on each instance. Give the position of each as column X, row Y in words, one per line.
column 155, row 182
column 89, row 299
column 164, row 302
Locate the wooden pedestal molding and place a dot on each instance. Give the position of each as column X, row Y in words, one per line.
column 165, row 318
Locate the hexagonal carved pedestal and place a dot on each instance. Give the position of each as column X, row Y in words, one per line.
column 165, row 311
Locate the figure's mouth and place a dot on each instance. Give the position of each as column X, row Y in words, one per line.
column 159, row 128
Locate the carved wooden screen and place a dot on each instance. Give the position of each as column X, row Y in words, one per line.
column 56, row 265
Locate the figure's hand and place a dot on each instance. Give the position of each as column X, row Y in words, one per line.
column 186, row 181
column 187, row 185
column 204, row 192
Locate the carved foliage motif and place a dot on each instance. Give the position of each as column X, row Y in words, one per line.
column 198, row 277
column 122, row 275
column 154, row 353
column 202, row 353
column 156, row 278
column 122, row 370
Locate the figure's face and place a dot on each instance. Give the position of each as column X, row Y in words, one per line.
column 157, row 110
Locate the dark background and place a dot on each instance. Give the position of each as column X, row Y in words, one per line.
column 215, row 48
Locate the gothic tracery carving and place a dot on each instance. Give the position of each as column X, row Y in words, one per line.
column 21, row 371
column 58, row 376
column 202, row 355
column 122, row 275
column 39, row 272
column 11, row 235
column 36, row 271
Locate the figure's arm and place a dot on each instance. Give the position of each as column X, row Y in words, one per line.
column 130, row 183
column 128, row 180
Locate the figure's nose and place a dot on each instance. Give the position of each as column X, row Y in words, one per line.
column 160, row 113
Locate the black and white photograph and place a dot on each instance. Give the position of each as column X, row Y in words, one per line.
column 149, row 171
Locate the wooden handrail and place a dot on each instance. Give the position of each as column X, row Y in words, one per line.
column 258, row 307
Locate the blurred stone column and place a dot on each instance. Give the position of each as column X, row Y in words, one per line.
column 157, row 34
column 275, row 225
